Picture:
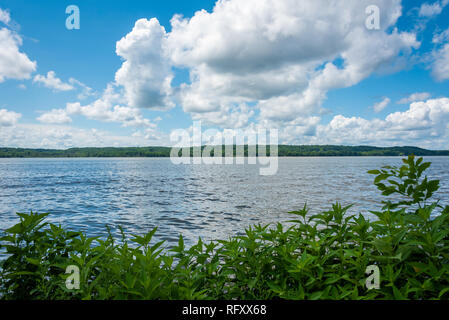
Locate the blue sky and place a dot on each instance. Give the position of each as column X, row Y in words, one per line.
column 137, row 70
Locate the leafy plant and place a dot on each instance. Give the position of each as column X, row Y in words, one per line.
column 322, row 256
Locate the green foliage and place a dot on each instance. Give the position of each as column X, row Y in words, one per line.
column 406, row 182
column 322, row 256
column 283, row 151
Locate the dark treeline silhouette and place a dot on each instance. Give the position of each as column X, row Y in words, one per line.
column 283, row 151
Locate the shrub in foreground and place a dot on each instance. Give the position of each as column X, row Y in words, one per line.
column 323, row 256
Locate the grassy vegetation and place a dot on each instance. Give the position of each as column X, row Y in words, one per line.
column 323, row 256
column 284, row 151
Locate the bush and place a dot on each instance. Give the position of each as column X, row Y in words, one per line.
column 323, row 256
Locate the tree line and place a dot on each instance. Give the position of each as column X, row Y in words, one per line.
column 283, row 151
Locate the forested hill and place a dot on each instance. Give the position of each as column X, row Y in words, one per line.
column 284, row 151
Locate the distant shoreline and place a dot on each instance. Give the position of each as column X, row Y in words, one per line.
column 164, row 152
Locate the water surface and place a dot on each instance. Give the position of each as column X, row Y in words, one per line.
column 211, row 201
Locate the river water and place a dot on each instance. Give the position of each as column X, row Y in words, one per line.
column 211, row 201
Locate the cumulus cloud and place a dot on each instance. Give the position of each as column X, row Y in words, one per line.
column 425, row 123
column 145, row 74
column 432, row 9
column 441, row 37
column 440, row 67
column 4, row 17
column 431, row 114
column 85, row 90
column 109, row 108
column 55, row 116
column 378, row 107
column 429, row 10
column 439, row 57
column 62, row 136
column 229, row 116
column 418, row 96
column 8, row 118
column 280, row 55
column 270, row 61
column 143, row 81
column 52, row 82
column 274, row 60
column 13, row 63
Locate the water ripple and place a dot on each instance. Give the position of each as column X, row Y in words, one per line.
column 212, row 202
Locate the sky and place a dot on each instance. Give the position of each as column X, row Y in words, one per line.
column 318, row 71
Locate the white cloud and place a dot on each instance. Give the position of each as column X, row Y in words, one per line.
column 441, row 37
column 62, row 137
column 378, row 107
column 280, row 58
column 430, row 10
column 440, row 67
column 13, row 63
column 52, row 82
column 4, row 17
column 234, row 58
column 8, row 118
column 440, row 55
column 431, row 114
column 418, row 96
column 228, row 116
column 145, row 74
column 280, row 55
column 85, row 90
column 55, row 116
column 424, row 124
column 143, row 81
column 109, row 108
